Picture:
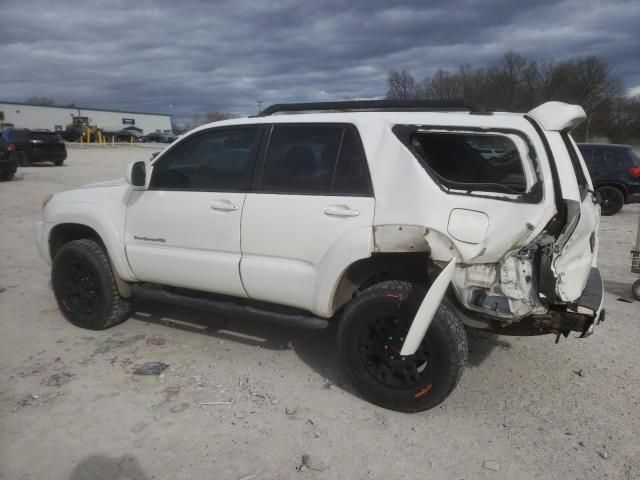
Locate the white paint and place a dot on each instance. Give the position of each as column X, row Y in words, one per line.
column 558, row 116
column 178, row 238
column 288, row 240
column 469, row 226
column 427, row 310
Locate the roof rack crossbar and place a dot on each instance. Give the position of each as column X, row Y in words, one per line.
column 377, row 105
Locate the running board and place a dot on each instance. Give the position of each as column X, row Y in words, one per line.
column 227, row 307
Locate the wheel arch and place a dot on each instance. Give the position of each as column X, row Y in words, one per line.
column 410, row 266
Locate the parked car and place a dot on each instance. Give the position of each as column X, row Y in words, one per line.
column 615, row 172
column 32, row 146
column 381, row 216
column 160, row 137
column 8, row 161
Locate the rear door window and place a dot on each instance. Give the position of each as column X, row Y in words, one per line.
column 315, row 160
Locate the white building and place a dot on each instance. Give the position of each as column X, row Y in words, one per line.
column 22, row 115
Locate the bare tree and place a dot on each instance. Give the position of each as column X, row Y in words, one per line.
column 401, row 85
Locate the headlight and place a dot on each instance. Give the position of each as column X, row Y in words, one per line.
column 46, row 199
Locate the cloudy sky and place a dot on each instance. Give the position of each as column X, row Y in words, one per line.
column 197, row 56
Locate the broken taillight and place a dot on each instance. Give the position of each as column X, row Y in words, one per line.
column 635, row 172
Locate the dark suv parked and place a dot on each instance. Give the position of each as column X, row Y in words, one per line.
column 615, row 172
column 35, row 145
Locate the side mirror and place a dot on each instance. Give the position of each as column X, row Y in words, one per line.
column 137, row 174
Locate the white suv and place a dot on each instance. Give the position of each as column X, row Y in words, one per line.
column 386, row 217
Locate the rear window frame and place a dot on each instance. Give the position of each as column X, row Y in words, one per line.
column 534, row 193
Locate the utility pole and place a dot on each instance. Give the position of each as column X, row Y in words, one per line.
column 259, row 102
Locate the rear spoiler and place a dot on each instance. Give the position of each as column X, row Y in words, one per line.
column 558, row 116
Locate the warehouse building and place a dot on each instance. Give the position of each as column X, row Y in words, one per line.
column 22, row 115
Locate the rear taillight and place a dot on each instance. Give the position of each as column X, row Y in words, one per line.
column 11, row 148
column 635, row 172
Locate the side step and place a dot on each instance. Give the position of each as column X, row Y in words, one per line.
column 227, row 307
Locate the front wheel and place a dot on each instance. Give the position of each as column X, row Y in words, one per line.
column 612, row 200
column 371, row 335
column 85, row 288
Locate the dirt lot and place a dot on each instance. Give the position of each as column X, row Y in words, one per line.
column 70, row 407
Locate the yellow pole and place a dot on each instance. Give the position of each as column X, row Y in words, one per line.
column 113, row 145
column 131, row 141
column 81, row 144
column 88, row 135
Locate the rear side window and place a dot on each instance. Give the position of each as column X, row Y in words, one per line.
column 315, row 159
column 482, row 162
column 618, row 158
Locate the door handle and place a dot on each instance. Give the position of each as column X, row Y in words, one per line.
column 340, row 211
column 224, row 206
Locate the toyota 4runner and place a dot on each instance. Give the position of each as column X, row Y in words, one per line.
column 386, row 217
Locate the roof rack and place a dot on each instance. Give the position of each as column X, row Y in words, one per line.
column 378, row 105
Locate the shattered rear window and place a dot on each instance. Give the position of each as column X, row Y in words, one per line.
column 484, row 162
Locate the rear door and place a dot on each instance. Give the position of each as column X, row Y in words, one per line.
column 314, row 193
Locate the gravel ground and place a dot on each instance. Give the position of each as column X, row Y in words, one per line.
column 246, row 401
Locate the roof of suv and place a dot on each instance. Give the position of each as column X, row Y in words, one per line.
column 551, row 115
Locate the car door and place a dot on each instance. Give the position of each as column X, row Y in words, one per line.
column 184, row 230
column 314, row 200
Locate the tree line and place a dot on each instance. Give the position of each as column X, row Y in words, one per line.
column 518, row 84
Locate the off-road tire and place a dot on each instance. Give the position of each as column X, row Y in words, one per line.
column 81, row 268
column 612, row 200
column 445, row 342
column 6, row 176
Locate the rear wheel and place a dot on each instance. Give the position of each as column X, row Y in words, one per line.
column 6, row 176
column 371, row 335
column 612, row 200
column 84, row 286
column 57, row 163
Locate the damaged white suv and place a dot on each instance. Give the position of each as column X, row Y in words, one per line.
column 389, row 218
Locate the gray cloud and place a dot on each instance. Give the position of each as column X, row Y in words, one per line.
column 146, row 55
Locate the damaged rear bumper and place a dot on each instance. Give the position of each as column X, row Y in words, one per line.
column 581, row 315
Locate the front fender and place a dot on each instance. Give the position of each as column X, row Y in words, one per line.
column 96, row 217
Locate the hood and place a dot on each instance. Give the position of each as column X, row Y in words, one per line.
column 109, row 183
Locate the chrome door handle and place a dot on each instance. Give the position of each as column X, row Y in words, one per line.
column 340, row 211
column 224, row 206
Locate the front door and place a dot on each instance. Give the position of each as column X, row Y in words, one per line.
column 184, row 230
